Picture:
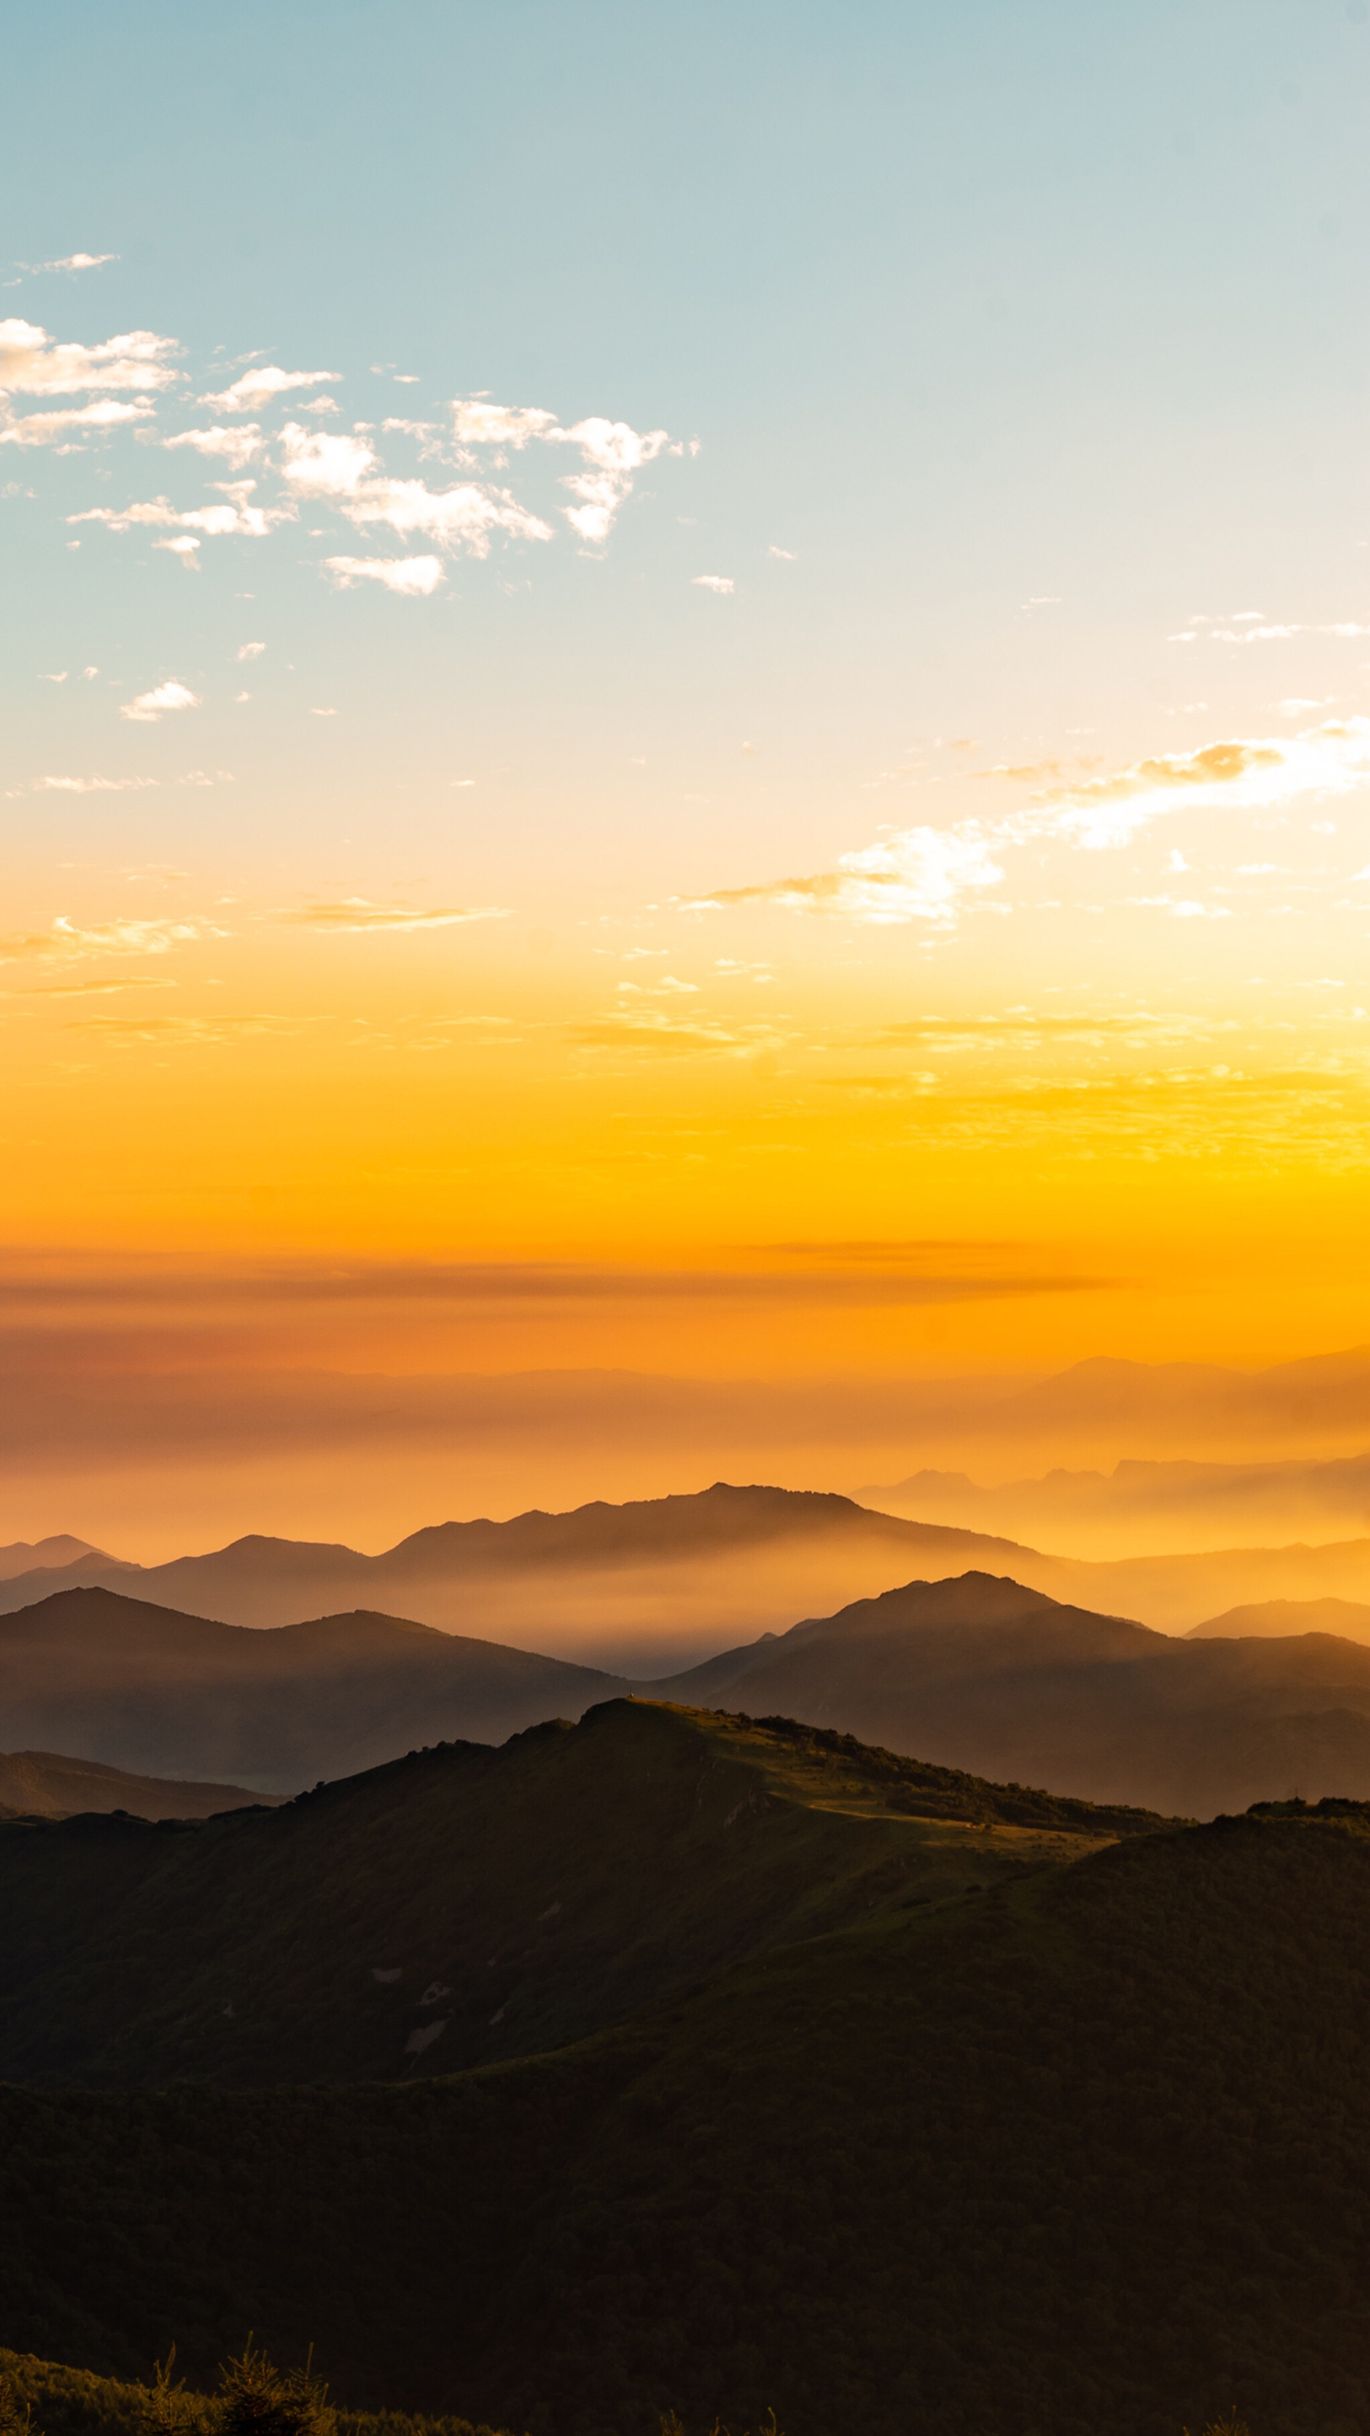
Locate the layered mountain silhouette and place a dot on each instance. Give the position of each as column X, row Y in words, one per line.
column 982, row 1672
column 1278, row 1619
column 1082, row 2147
column 25, row 1556
column 1174, row 1593
column 144, row 1688
column 1160, row 1505
column 993, row 1676
column 655, row 1581
column 651, row 1585
column 49, row 1785
column 464, row 1904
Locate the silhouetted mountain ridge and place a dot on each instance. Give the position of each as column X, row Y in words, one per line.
column 465, row 1904
column 143, row 1687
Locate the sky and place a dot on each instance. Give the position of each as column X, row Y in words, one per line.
column 684, row 693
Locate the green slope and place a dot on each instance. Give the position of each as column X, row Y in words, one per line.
column 1088, row 2149
column 465, row 1904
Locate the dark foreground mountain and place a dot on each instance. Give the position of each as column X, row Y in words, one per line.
column 636, row 1587
column 464, row 1904
column 998, row 1678
column 1084, row 2150
column 146, row 1689
column 48, row 1785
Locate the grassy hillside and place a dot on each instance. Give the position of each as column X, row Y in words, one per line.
column 466, row 1904
column 1086, row 2150
column 147, row 1689
column 64, row 2401
column 49, row 1785
column 998, row 1678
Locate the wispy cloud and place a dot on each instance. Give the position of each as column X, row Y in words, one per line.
column 360, row 914
column 259, row 385
column 915, row 875
column 171, row 695
column 1252, row 774
column 236, row 513
column 68, row 939
column 95, row 989
column 656, row 1032
column 1252, row 626
column 72, row 262
column 925, row 874
column 414, row 577
column 91, row 786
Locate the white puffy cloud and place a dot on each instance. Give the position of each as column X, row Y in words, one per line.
column 59, row 423
column 342, row 467
column 238, row 444
column 34, row 365
column 463, row 518
column 256, row 388
column 414, row 577
column 614, row 454
column 478, row 423
column 326, row 464
column 171, row 695
column 714, row 583
column 249, row 651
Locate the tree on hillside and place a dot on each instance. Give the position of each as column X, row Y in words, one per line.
column 256, row 2398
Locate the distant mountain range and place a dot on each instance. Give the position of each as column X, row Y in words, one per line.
column 982, row 1672
column 25, row 1556
column 464, row 1905
column 144, row 1688
column 993, row 1676
column 47, row 1785
column 637, row 1589
column 1164, row 1506
column 1278, row 1619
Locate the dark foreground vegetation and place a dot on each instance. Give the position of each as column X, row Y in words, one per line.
column 1085, row 2148
column 253, row 2398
